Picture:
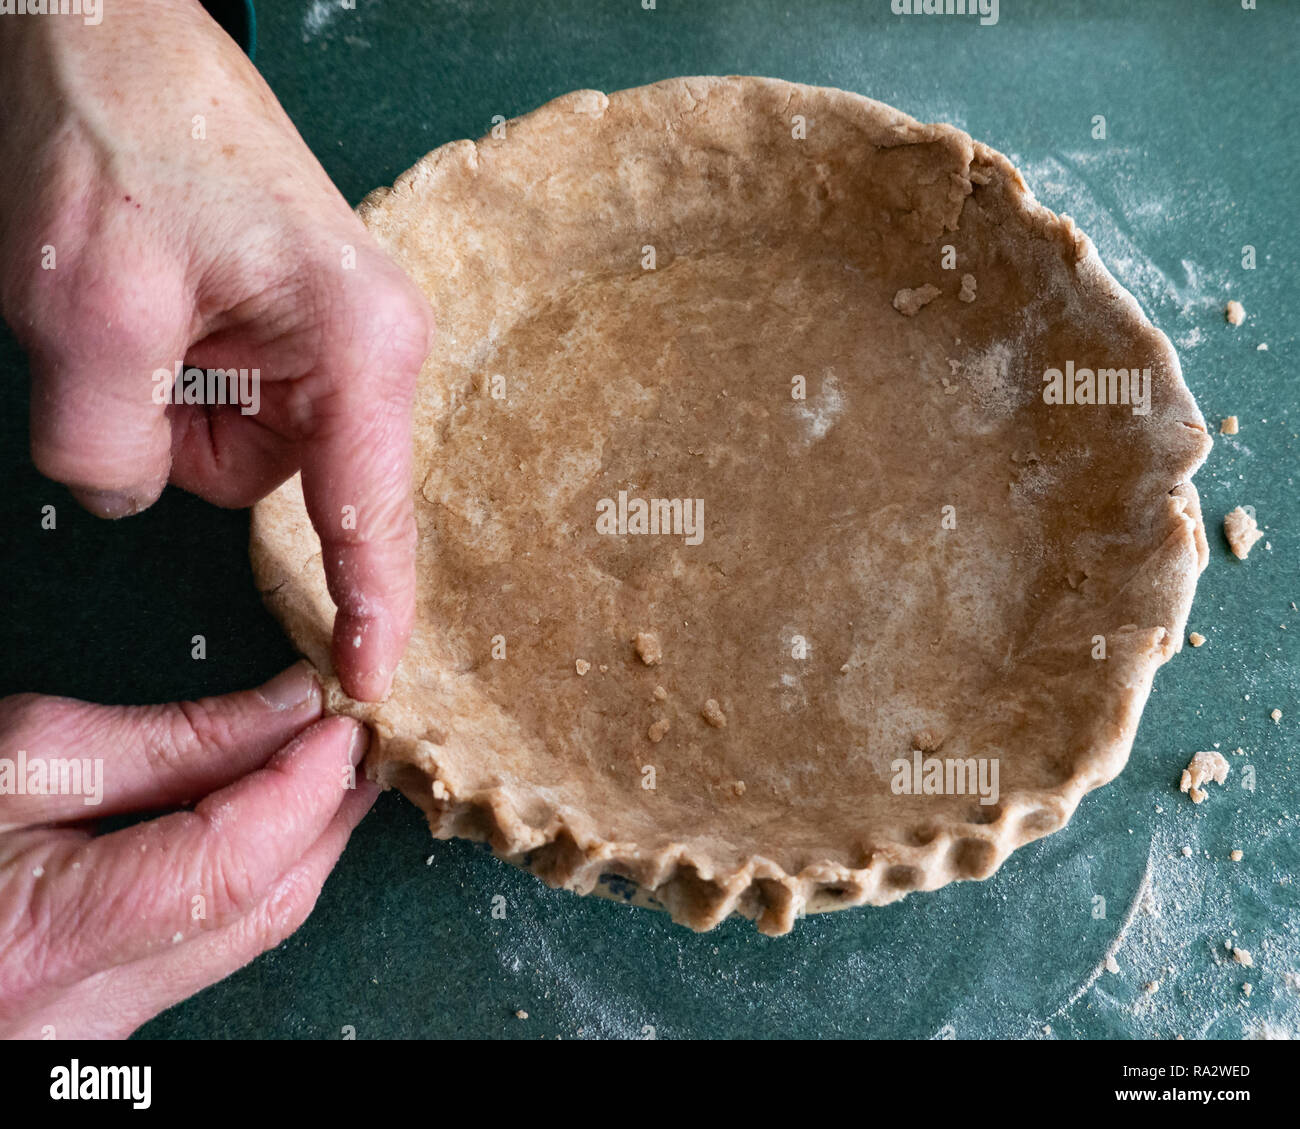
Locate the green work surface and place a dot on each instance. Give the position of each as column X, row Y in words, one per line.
column 1199, row 159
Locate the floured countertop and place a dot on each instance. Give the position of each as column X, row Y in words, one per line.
column 1124, row 924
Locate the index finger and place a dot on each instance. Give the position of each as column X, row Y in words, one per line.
column 356, row 480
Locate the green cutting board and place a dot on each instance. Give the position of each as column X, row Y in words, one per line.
column 1199, row 159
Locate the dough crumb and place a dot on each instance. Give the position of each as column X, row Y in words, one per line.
column 967, row 288
column 1203, row 768
column 1247, row 988
column 660, row 694
column 648, row 649
column 739, row 787
column 1112, row 965
column 1228, row 426
column 1242, row 532
column 712, row 713
column 1235, row 312
column 521, row 1014
column 1236, row 856
column 1187, row 851
column 909, row 302
column 1151, row 987
column 658, row 729
column 582, row 666
column 1196, row 639
column 1276, row 715
column 1242, row 956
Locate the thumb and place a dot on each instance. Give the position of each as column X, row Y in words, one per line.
column 92, row 761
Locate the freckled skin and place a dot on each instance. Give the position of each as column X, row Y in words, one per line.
column 149, row 217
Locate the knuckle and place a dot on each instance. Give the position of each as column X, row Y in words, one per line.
column 183, row 730
column 282, row 912
column 114, row 312
column 391, row 323
column 20, row 965
column 203, row 722
column 385, row 533
column 234, row 888
column 29, row 928
column 167, row 742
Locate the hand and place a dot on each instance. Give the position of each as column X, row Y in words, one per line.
column 158, row 206
column 101, row 934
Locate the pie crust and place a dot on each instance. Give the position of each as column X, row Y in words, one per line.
column 919, row 561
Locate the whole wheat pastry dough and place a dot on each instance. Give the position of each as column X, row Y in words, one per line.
column 1242, row 531
column 1204, row 768
column 919, row 561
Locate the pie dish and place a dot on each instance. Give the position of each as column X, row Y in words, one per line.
column 926, row 558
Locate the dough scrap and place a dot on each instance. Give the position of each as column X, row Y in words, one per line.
column 880, row 559
column 1203, row 768
column 909, row 302
column 648, row 649
column 1241, row 530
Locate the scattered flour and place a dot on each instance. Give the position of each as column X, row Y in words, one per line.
column 320, row 15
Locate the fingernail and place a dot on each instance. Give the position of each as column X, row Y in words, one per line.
column 291, row 688
column 374, row 685
column 360, row 742
column 110, row 503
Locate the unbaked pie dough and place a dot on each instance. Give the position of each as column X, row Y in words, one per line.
column 744, row 517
